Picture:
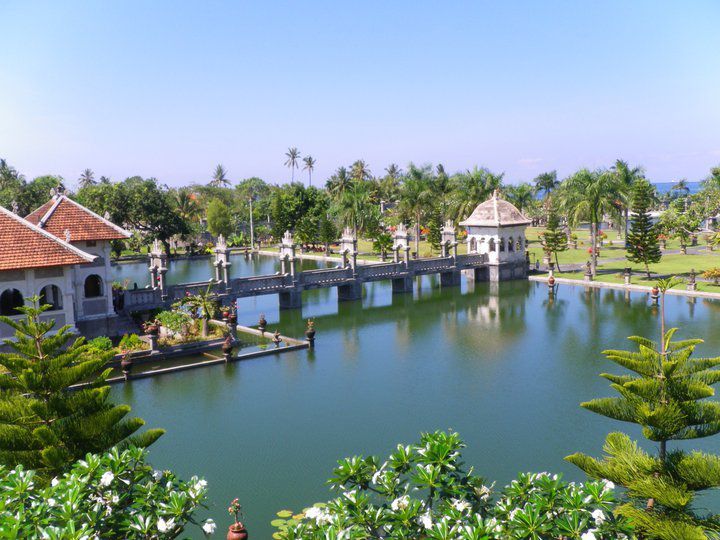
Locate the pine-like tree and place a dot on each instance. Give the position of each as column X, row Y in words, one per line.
column 44, row 424
column 667, row 398
column 554, row 239
column 642, row 240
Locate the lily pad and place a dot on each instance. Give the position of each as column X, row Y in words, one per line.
column 284, row 513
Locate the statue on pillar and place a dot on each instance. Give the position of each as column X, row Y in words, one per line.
column 400, row 243
column 287, row 254
column 222, row 262
column 448, row 239
column 158, row 267
column 348, row 248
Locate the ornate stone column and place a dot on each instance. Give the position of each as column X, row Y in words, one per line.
column 222, row 262
column 400, row 243
column 449, row 239
column 158, row 268
column 348, row 248
column 287, row 254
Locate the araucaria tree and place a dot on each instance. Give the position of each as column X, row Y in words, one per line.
column 642, row 240
column 44, row 424
column 667, row 396
column 554, row 239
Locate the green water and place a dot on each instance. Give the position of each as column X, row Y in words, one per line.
column 500, row 364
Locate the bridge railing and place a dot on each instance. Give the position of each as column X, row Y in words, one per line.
column 325, row 275
column 381, row 270
column 177, row 292
column 433, row 264
column 260, row 283
column 136, row 298
column 472, row 259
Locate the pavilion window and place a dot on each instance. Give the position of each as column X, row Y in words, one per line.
column 93, row 286
column 51, row 295
column 10, row 300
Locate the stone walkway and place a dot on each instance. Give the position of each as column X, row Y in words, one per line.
column 620, row 286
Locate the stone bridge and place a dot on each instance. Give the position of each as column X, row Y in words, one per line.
column 348, row 277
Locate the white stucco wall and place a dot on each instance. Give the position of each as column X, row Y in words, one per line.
column 481, row 240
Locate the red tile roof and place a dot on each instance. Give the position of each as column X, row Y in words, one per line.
column 24, row 245
column 61, row 215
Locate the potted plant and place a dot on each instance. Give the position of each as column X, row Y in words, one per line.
column 262, row 323
column 152, row 328
column 310, row 330
column 237, row 530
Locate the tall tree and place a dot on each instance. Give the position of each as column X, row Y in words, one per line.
column 219, row 219
column 589, row 195
column 359, row 171
column 187, row 205
column 642, row 240
column 521, row 195
column 356, row 209
column 554, row 239
column 416, row 198
column 44, row 423
column 471, row 188
column 666, row 395
column 87, row 178
column 309, row 167
column 626, row 177
column 219, row 178
column 338, row 183
column 292, row 155
column 546, row 183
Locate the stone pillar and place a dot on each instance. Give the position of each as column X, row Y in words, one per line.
column 402, row 285
column 691, row 283
column 588, row 272
column 290, row 299
column 348, row 248
column 287, row 254
column 351, row 291
column 627, row 274
column 450, row 279
column 158, row 268
column 222, row 262
column 400, row 243
column 449, row 240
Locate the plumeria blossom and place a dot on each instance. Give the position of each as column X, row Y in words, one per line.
column 209, row 527
column 107, row 479
column 401, row 503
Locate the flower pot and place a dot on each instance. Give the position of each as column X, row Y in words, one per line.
column 237, row 531
column 551, row 281
column 152, row 330
column 310, row 334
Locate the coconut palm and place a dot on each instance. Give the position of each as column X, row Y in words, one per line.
column 359, row 171
column 681, row 185
column 87, row 178
column 187, row 205
column 626, row 177
column 203, row 305
column 292, row 155
column 416, row 197
column 471, row 188
column 521, row 195
column 309, row 167
column 338, row 183
column 546, row 182
column 355, row 207
column 589, row 195
column 219, row 178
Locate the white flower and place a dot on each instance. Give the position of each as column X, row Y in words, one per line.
column 201, row 484
column 157, row 475
column 209, row 527
column 590, row 535
column 51, row 501
column 401, row 503
column 165, row 526
column 107, row 478
column 425, row 520
column 54, row 482
column 484, row 493
column 313, row 513
column 608, row 486
column 460, row 505
column 599, row 517
column 350, row 496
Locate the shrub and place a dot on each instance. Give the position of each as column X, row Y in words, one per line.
column 175, row 321
column 712, row 273
column 114, row 495
column 424, row 491
column 131, row 342
column 101, row 343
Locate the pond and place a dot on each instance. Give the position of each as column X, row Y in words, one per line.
column 501, row 365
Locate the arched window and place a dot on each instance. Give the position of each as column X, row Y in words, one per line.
column 473, row 245
column 10, row 300
column 492, row 245
column 50, row 294
column 93, row 286
column 511, row 244
column 502, row 244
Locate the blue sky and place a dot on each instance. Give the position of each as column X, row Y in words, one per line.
column 170, row 89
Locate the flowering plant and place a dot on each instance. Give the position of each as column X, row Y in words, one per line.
column 423, row 491
column 235, row 509
column 114, row 495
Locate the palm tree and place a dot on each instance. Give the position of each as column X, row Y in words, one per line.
column 203, row 305
column 546, row 182
column 309, row 167
column 393, row 171
column 359, row 171
column 626, row 177
column 219, row 178
column 87, row 178
column 471, row 188
column 338, row 183
column 355, row 207
column 681, row 185
column 589, row 195
column 521, row 195
column 416, row 197
column 187, row 205
column 292, row 156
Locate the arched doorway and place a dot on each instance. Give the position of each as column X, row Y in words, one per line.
column 93, row 286
column 51, row 295
column 10, row 300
